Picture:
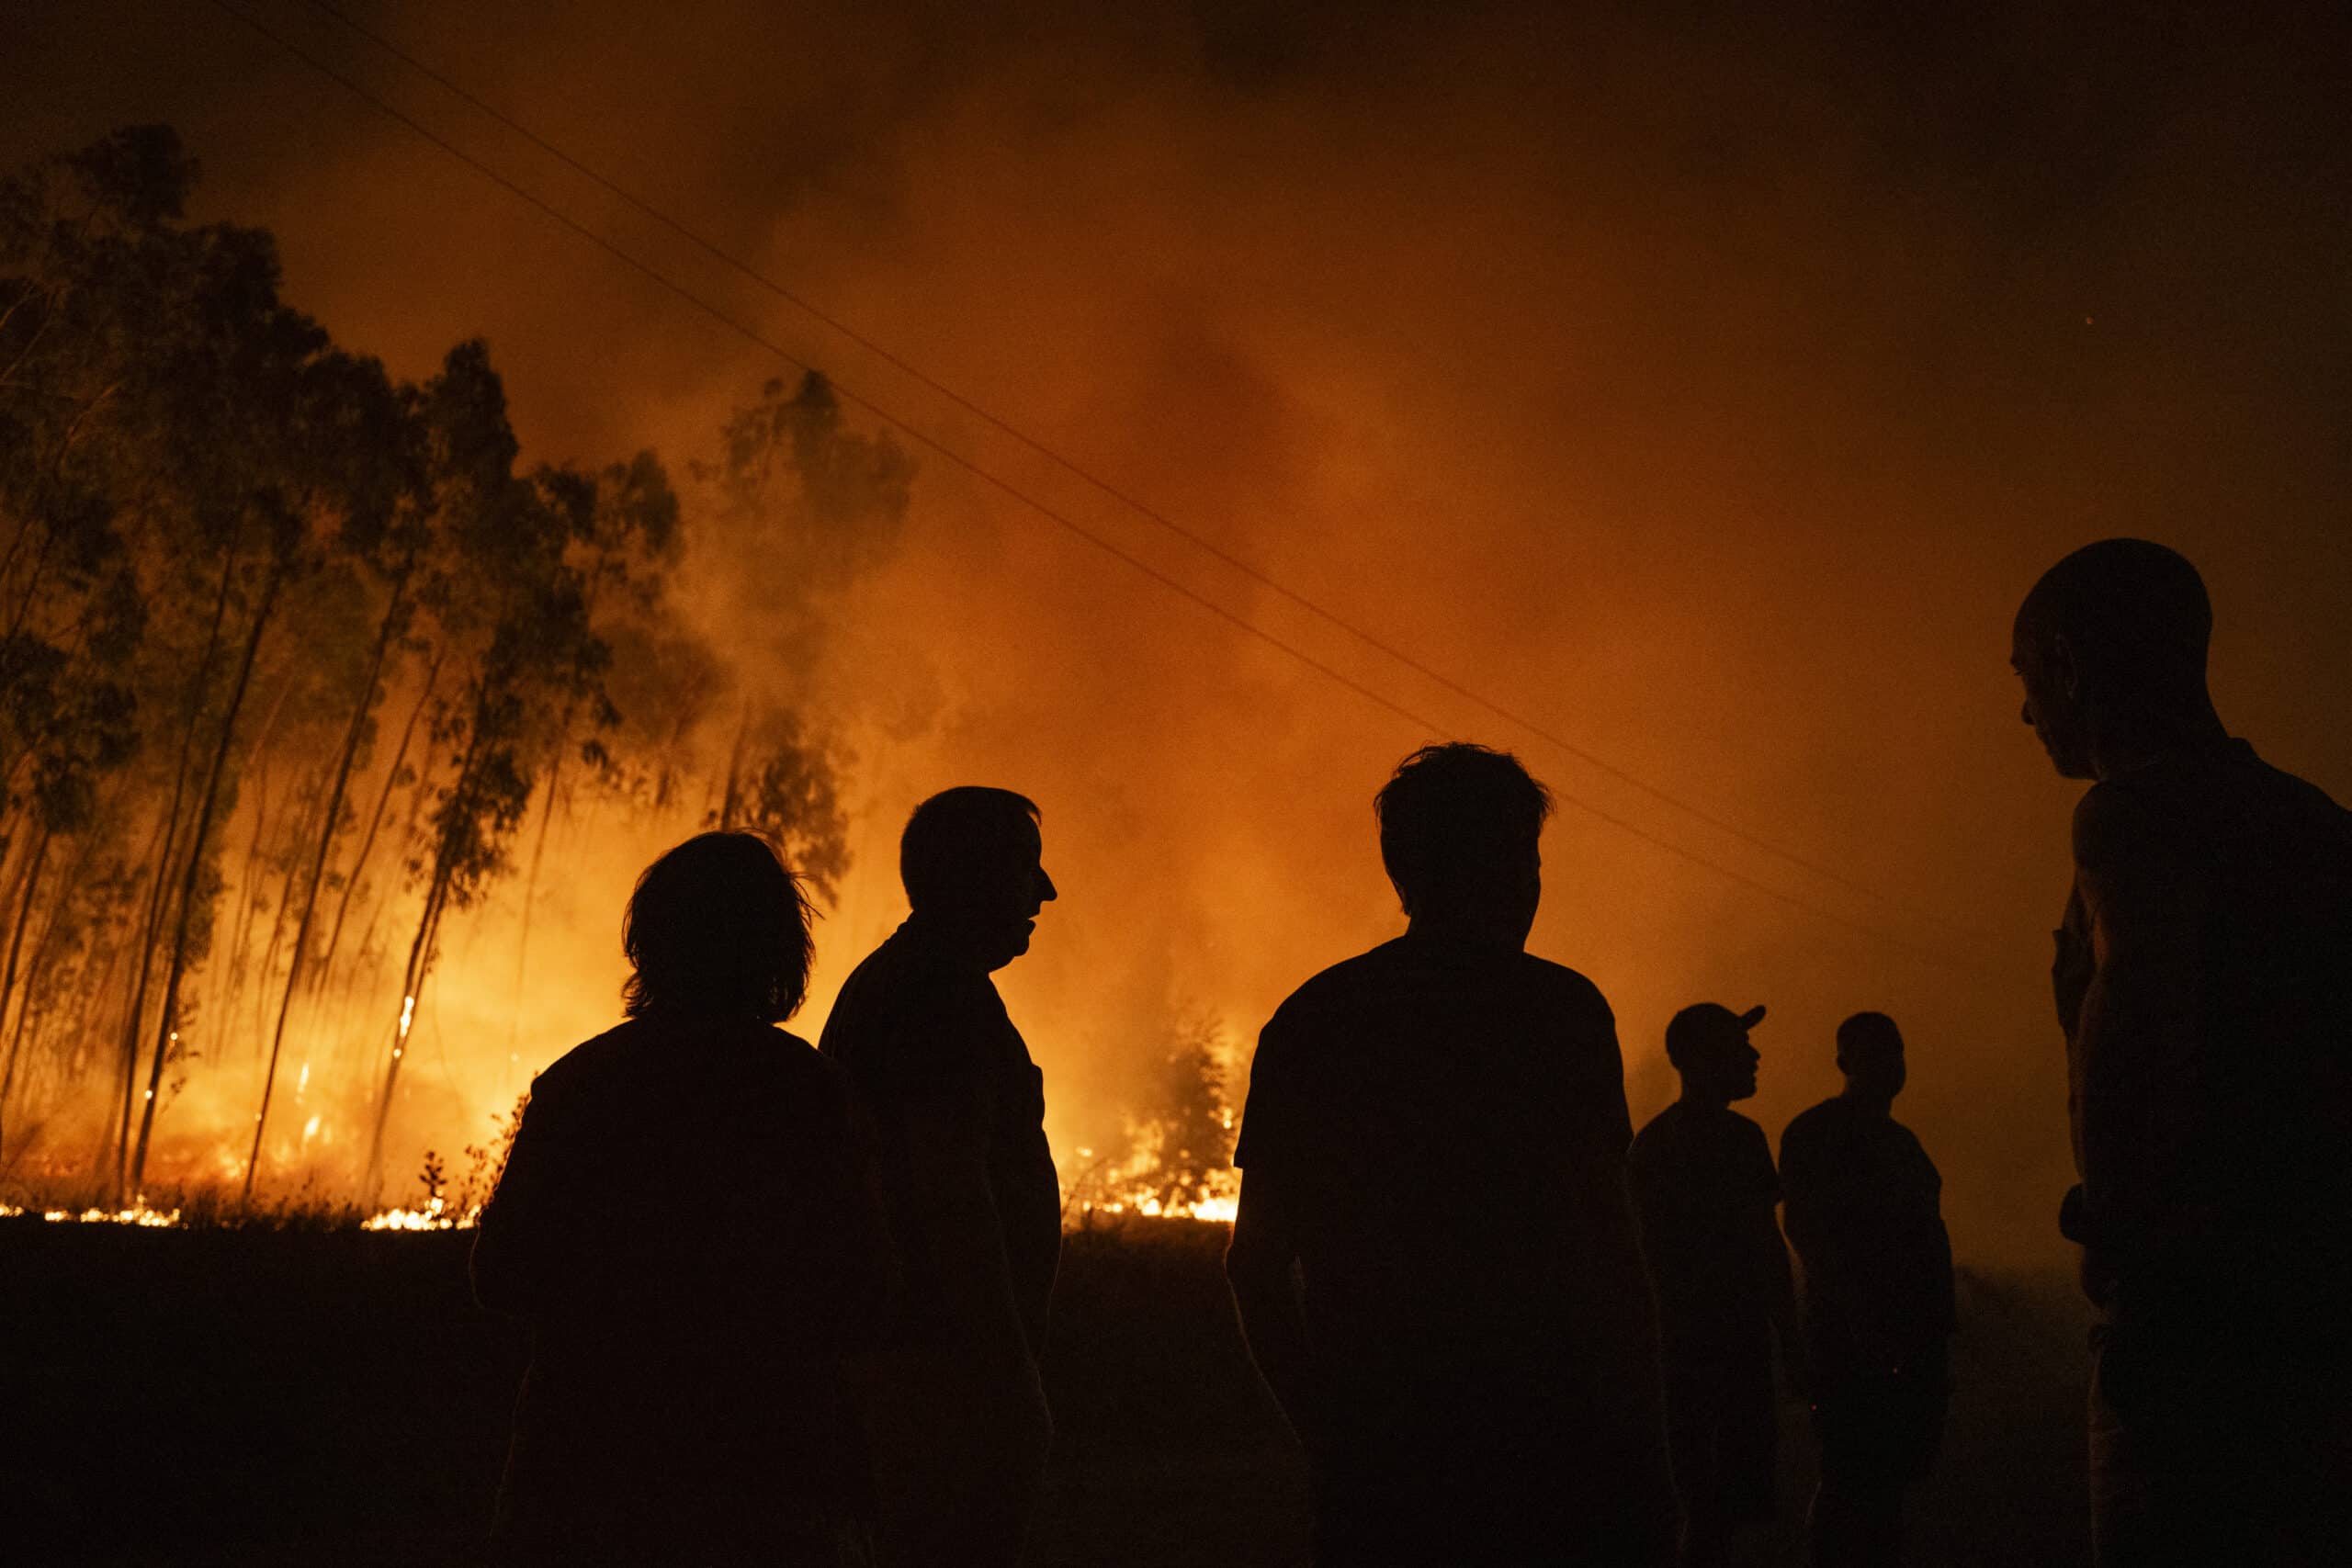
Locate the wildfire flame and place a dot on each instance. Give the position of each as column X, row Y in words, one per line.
column 1126, row 1188
column 436, row 1215
column 138, row 1214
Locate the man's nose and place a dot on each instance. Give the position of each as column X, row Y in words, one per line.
column 2025, row 712
column 1046, row 893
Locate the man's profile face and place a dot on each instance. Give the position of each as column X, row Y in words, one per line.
column 1725, row 1065
column 1014, row 897
column 2045, row 663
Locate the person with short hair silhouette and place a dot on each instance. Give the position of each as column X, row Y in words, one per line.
column 957, row 1417
column 687, row 1223
column 1864, row 1211
column 1705, row 1191
column 2204, row 983
column 1434, row 1259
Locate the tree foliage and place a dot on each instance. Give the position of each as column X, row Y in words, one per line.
column 289, row 645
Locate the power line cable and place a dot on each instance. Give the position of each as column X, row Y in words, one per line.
column 1115, row 492
column 1049, row 513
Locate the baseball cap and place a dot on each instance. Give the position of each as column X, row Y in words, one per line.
column 1704, row 1023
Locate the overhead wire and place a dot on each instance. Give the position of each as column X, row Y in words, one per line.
column 1045, row 510
column 1124, row 497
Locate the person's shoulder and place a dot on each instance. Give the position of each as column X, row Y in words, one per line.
column 1810, row 1125
column 797, row 1060
column 1558, row 978
column 1337, row 987
column 1556, row 987
column 1747, row 1130
column 1903, row 1134
column 591, row 1061
column 2180, row 806
column 1651, row 1145
column 2118, row 821
column 875, row 981
column 814, row 1089
column 891, row 993
column 2298, row 800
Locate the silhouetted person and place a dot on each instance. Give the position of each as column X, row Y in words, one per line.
column 686, row 1223
column 956, row 1417
column 1704, row 1187
column 1434, row 1259
column 1864, row 1211
column 2204, row 981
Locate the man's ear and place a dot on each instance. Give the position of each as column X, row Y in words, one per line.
column 2064, row 673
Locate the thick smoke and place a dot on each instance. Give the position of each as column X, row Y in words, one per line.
column 1703, row 393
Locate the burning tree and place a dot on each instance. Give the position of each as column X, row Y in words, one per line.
column 291, row 651
column 1180, row 1131
column 1186, row 1121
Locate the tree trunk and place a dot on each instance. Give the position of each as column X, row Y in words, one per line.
column 241, row 939
column 357, row 728
column 297, row 832
column 233, row 976
column 36, row 965
column 154, row 920
column 8, row 977
column 734, row 798
column 376, row 818
column 530, row 896
column 420, row 961
column 165, row 1031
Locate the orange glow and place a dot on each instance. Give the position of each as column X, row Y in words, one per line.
column 1711, row 425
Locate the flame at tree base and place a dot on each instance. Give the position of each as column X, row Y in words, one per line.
column 138, row 1214
column 439, row 1214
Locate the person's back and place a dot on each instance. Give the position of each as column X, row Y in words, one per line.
column 1457, row 1120
column 687, row 1224
column 679, row 1225
column 1433, row 1148
column 1864, row 1211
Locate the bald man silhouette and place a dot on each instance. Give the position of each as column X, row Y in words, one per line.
column 2203, row 978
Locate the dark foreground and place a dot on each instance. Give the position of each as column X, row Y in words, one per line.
column 279, row 1398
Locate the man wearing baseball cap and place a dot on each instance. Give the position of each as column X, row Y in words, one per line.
column 1704, row 1184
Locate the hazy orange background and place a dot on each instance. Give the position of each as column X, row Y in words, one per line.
column 1707, row 393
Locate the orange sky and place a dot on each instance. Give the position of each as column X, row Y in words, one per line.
column 1706, row 396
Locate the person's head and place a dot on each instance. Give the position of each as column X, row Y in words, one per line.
column 1458, row 831
column 1870, row 1052
column 2111, row 644
column 1707, row 1044
column 971, row 861
column 717, row 928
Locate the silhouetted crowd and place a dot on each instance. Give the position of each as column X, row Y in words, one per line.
column 788, row 1305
